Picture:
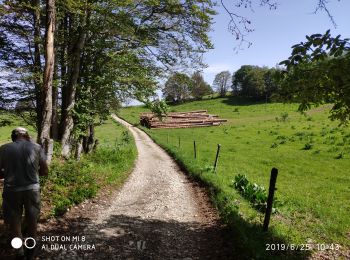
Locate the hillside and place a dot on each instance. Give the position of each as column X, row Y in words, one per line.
column 311, row 153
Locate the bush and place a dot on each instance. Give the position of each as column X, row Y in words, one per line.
column 5, row 122
column 255, row 194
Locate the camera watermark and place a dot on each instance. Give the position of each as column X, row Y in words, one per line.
column 66, row 243
column 54, row 243
column 28, row 242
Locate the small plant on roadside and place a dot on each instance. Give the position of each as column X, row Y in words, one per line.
column 254, row 193
column 207, row 168
column 126, row 137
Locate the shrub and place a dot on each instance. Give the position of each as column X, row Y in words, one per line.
column 5, row 122
column 61, row 206
column 255, row 194
column 126, row 137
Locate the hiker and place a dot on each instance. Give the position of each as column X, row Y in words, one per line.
column 21, row 163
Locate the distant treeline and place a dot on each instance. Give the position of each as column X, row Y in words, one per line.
column 249, row 81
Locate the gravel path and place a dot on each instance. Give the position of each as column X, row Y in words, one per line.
column 157, row 214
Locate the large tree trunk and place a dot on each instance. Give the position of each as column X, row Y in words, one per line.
column 63, row 69
column 89, row 139
column 37, row 63
column 54, row 120
column 44, row 135
column 78, row 148
column 67, row 117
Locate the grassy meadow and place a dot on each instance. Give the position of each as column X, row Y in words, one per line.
column 71, row 182
column 8, row 122
column 311, row 152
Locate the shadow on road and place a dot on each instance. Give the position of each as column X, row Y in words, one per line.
column 125, row 237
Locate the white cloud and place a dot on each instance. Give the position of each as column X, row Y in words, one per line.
column 215, row 68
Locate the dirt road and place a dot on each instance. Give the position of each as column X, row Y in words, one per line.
column 157, row 214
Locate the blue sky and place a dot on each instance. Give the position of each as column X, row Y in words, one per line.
column 275, row 31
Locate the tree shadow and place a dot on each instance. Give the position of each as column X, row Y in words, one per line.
column 128, row 237
column 241, row 101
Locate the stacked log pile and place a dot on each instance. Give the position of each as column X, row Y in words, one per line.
column 199, row 118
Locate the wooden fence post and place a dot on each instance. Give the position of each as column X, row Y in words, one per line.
column 195, row 149
column 217, row 157
column 273, row 178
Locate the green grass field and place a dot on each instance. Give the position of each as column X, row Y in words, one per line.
column 311, row 153
column 8, row 122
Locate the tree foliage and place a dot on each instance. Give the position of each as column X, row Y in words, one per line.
column 254, row 82
column 318, row 72
column 178, row 88
column 200, row 88
column 106, row 51
column 222, row 82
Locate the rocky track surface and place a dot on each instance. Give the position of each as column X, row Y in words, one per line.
column 159, row 213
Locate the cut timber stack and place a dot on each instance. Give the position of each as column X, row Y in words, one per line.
column 189, row 119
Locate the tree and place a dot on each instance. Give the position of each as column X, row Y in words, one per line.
column 254, row 82
column 200, row 88
column 44, row 133
column 20, row 57
column 318, row 72
column 106, row 49
column 178, row 88
column 222, row 82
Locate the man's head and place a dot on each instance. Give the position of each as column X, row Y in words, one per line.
column 18, row 133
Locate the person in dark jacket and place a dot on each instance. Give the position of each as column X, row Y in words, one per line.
column 21, row 163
